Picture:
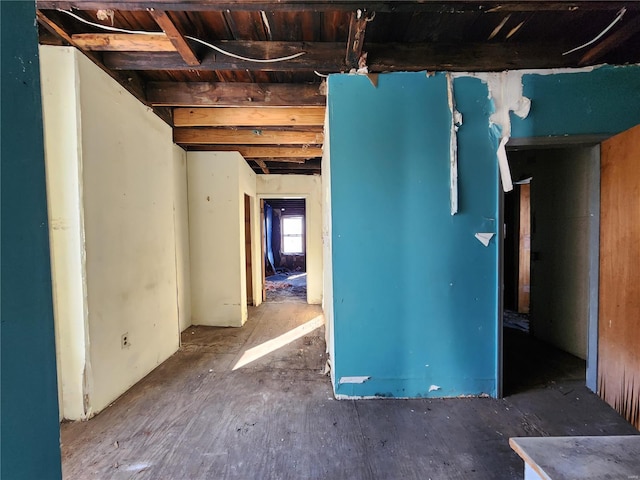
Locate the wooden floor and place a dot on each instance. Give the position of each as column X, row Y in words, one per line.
column 195, row 417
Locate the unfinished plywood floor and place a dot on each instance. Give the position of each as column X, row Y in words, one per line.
column 195, row 417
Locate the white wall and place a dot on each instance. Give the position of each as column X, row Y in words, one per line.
column 64, row 191
column 127, row 172
column 309, row 187
column 181, row 228
column 217, row 184
column 327, row 278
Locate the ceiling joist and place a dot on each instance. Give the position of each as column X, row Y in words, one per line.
column 399, row 6
column 123, row 42
column 248, row 116
column 213, row 136
column 329, row 57
column 177, row 38
column 286, row 154
column 228, row 94
column 357, row 27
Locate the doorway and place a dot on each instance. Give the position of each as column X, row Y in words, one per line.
column 550, row 266
column 285, row 256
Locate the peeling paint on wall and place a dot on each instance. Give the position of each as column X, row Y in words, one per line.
column 456, row 121
column 361, row 379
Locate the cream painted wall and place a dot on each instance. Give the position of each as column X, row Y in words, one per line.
column 327, row 277
column 217, row 183
column 114, row 174
column 309, row 187
column 181, row 229
column 61, row 115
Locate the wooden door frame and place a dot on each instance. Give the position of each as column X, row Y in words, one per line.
column 577, row 141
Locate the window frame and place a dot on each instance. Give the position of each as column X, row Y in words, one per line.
column 302, row 235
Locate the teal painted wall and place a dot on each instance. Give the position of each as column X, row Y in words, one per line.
column 415, row 294
column 413, row 288
column 30, row 436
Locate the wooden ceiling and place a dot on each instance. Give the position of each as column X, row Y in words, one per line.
column 171, row 56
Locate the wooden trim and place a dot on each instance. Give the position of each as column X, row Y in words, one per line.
column 127, row 42
column 176, row 37
column 212, row 136
column 399, row 6
column 251, row 152
column 248, row 116
column 222, row 94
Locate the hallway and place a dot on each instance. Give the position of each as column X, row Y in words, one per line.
column 274, row 417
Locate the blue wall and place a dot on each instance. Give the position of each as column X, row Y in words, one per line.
column 415, row 294
column 30, row 436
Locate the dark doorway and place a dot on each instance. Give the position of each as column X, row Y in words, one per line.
column 549, row 218
column 285, row 258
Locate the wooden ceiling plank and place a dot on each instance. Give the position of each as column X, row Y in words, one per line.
column 329, row 57
column 123, row 42
column 213, row 136
column 619, row 36
column 325, row 56
column 129, row 80
column 344, row 5
column 268, row 151
column 177, row 38
column 357, row 28
column 263, row 166
column 248, row 116
column 221, row 94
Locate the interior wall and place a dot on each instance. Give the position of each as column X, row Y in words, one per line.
column 29, row 429
column 435, row 329
column 181, row 228
column 217, row 184
column 61, row 108
column 560, row 242
column 114, row 175
column 309, row 187
column 128, row 175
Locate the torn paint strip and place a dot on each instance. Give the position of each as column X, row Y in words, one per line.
column 434, row 388
column 484, row 237
column 503, row 163
column 456, row 121
column 355, row 379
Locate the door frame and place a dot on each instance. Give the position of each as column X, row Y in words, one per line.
column 575, row 141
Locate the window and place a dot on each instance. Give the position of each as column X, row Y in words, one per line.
column 293, row 234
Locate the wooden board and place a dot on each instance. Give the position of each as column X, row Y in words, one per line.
column 524, row 250
column 281, row 153
column 564, row 458
column 619, row 300
column 127, row 42
column 248, row 116
column 247, row 248
column 262, row 136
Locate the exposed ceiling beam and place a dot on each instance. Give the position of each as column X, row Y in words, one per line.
column 129, row 80
column 322, row 56
column 357, row 28
column 627, row 30
column 176, row 37
column 123, row 42
column 213, row 136
column 248, row 116
column 193, row 94
column 329, row 57
column 263, row 166
column 342, row 5
column 267, row 152
column 310, row 165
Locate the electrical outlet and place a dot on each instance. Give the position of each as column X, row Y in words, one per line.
column 124, row 341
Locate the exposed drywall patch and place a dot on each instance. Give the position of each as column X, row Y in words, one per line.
column 456, row 121
column 356, row 379
column 484, row 238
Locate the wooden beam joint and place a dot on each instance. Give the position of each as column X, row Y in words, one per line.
column 175, row 36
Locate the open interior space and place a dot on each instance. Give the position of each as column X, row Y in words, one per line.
column 318, row 239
